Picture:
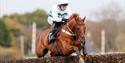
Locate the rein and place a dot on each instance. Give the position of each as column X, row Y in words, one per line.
column 69, row 31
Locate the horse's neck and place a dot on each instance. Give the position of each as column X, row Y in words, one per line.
column 71, row 24
column 68, row 29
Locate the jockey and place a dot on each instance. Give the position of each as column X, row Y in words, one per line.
column 57, row 16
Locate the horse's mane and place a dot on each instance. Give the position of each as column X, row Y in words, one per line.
column 74, row 15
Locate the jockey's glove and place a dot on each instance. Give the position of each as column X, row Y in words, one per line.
column 64, row 19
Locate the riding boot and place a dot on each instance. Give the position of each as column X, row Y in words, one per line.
column 52, row 36
column 53, row 32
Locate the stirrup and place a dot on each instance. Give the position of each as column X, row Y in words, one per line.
column 51, row 39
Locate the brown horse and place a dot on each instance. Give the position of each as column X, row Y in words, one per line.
column 69, row 39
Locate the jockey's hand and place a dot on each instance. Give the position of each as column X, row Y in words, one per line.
column 64, row 19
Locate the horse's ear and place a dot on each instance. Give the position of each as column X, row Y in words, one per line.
column 84, row 19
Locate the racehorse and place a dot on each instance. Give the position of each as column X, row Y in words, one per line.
column 70, row 38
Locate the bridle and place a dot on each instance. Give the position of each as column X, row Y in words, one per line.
column 70, row 32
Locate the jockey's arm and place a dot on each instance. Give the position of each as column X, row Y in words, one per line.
column 67, row 17
column 69, row 13
column 53, row 17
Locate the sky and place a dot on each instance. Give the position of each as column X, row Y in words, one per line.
column 83, row 7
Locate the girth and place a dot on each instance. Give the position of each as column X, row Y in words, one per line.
column 58, row 50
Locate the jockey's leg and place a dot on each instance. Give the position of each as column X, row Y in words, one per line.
column 51, row 36
column 54, row 31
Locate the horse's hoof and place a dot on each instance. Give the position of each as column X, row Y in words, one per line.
column 81, row 61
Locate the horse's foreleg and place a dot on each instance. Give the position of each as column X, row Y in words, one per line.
column 76, row 49
column 83, row 50
column 78, row 52
column 41, row 51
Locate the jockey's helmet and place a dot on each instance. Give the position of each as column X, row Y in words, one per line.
column 63, row 2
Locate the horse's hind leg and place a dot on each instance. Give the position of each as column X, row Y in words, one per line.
column 41, row 52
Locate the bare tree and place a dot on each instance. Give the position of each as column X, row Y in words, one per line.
column 112, row 11
column 109, row 16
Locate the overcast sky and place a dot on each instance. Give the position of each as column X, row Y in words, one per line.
column 84, row 7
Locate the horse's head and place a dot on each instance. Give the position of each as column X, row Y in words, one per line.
column 77, row 25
